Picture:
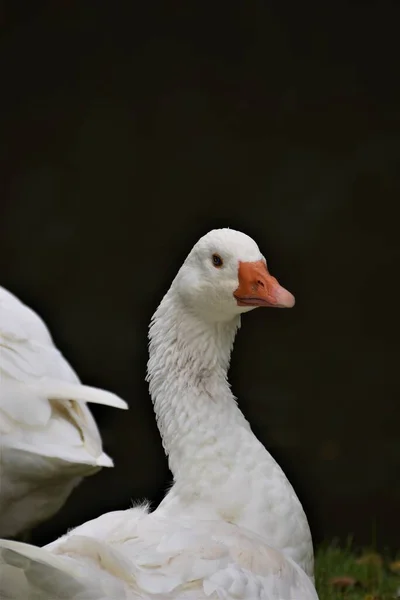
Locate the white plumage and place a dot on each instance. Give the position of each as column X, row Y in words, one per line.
column 131, row 555
column 48, row 437
column 231, row 527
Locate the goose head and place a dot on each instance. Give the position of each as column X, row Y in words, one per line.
column 225, row 275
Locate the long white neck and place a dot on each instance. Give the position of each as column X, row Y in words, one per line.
column 187, row 375
column 220, row 469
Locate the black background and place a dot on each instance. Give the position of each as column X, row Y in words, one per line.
column 128, row 130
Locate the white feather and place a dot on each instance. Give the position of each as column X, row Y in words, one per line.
column 149, row 556
column 49, row 439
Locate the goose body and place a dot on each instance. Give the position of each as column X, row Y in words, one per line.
column 48, row 437
column 231, row 525
column 134, row 555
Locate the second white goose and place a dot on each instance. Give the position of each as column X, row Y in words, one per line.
column 49, row 440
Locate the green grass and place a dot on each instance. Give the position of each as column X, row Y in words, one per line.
column 373, row 575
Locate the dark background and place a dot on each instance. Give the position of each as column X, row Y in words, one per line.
column 127, row 132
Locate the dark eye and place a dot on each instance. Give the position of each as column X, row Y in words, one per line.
column 217, row 260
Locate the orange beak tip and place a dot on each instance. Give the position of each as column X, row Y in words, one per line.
column 284, row 298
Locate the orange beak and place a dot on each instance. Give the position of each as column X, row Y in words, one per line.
column 258, row 288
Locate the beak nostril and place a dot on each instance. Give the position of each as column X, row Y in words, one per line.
column 260, row 283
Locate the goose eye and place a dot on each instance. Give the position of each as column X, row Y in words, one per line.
column 217, row 260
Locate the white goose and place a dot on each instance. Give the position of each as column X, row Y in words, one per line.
column 48, row 437
column 231, row 527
